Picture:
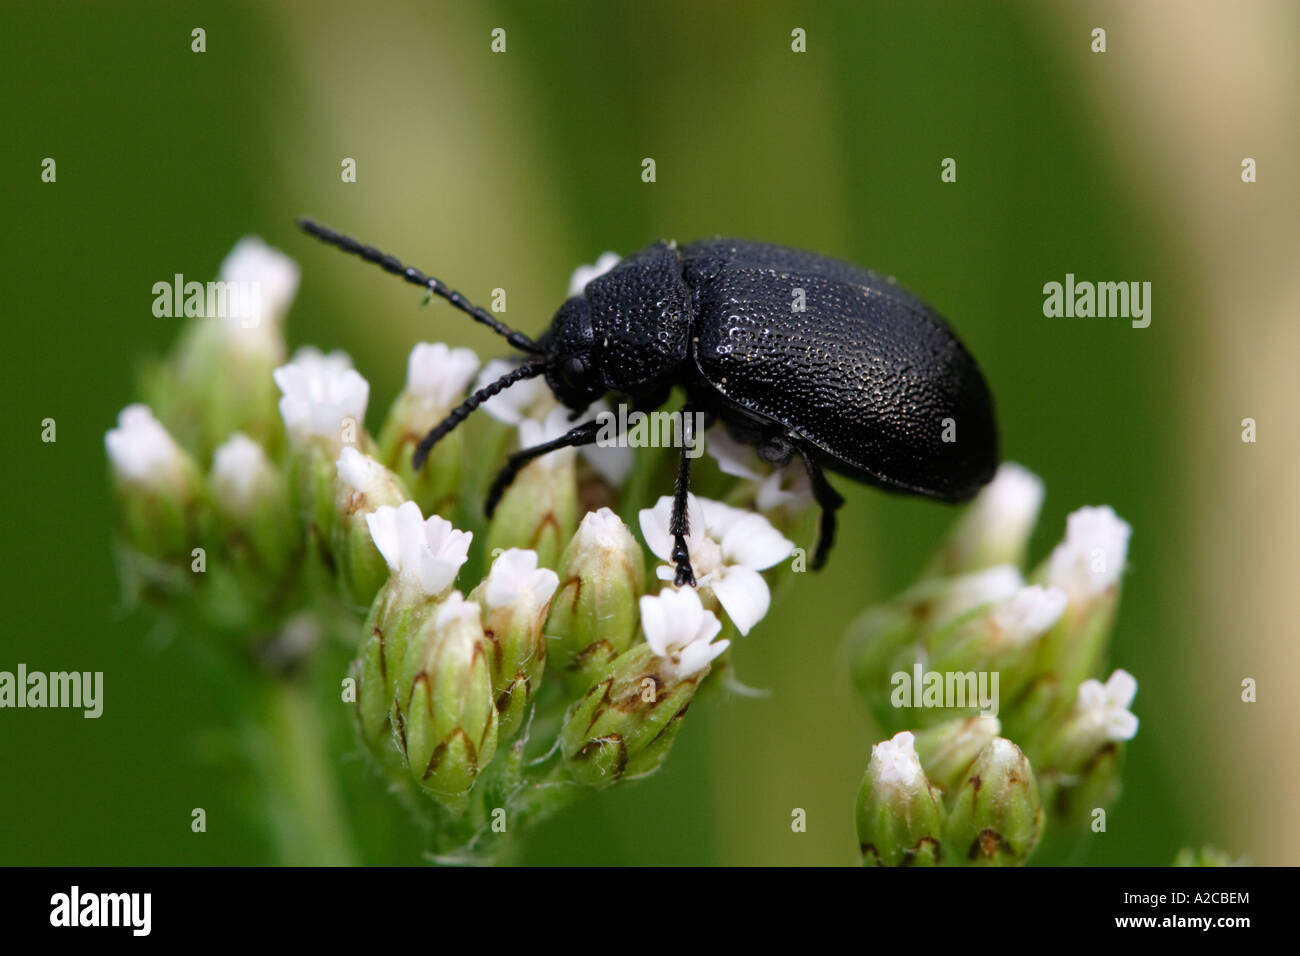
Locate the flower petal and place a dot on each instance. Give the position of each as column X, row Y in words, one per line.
column 1121, row 688
column 654, row 527
column 743, row 594
column 697, row 655
column 752, row 541
column 383, row 531
column 439, row 374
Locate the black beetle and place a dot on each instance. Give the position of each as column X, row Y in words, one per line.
column 796, row 353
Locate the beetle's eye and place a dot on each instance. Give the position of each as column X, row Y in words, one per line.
column 574, row 371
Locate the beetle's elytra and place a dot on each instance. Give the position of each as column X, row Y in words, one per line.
column 795, row 353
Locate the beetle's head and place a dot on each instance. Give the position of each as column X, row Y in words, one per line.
column 572, row 371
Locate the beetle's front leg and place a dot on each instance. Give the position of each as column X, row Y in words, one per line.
column 679, row 527
column 584, row 434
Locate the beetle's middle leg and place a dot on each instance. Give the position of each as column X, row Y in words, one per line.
column 828, row 499
column 584, row 434
column 679, row 527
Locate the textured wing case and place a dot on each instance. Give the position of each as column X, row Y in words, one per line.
column 867, row 373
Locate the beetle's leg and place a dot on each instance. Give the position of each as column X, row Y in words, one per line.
column 679, row 527
column 584, row 434
column 467, row 407
column 829, row 499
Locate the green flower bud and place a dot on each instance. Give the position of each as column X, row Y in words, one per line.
column 624, row 725
column 1073, row 798
column 1034, row 713
column 594, row 614
column 995, row 529
column 324, row 408
column 363, row 486
column 436, row 378
column 947, row 750
column 539, row 511
column 218, row 379
column 1100, row 717
column 251, row 501
column 424, row 556
column 891, row 637
column 995, row 818
column 445, row 720
column 514, row 599
column 899, row 814
column 1002, row 637
column 157, row 487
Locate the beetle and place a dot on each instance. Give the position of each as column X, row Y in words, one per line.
column 795, row 353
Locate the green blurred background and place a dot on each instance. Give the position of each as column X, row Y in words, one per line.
column 508, row 170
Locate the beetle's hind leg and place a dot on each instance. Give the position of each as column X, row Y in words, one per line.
column 584, row 434
column 828, row 499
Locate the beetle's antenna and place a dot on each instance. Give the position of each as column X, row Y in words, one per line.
column 462, row 411
column 416, row 277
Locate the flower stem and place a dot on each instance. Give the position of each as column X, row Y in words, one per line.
column 306, row 819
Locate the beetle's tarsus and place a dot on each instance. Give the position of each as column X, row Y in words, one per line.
column 681, row 557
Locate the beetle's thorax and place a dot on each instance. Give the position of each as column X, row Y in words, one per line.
column 641, row 314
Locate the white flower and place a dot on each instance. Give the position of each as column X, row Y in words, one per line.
column 241, row 473
column 1105, row 707
column 437, row 375
column 361, row 472
column 895, row 765
column 321, row 393
column 1003, row 514
column 728, row 547
column 584, row 274
column 966, row 592
column 787, row 485
column 142, row 451
column 681, row 631
column 268, row 275
column 1028, row 614
column 527, row 398
column 602, row 530
column 1091, row 558
column 426, row 554
column 1001, row 755
column 456, row 610
column 516, row 581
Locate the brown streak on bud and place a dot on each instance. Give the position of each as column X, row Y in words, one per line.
column 550, row 521
column 925, row 843
column 604, row 686
column 988, row 843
